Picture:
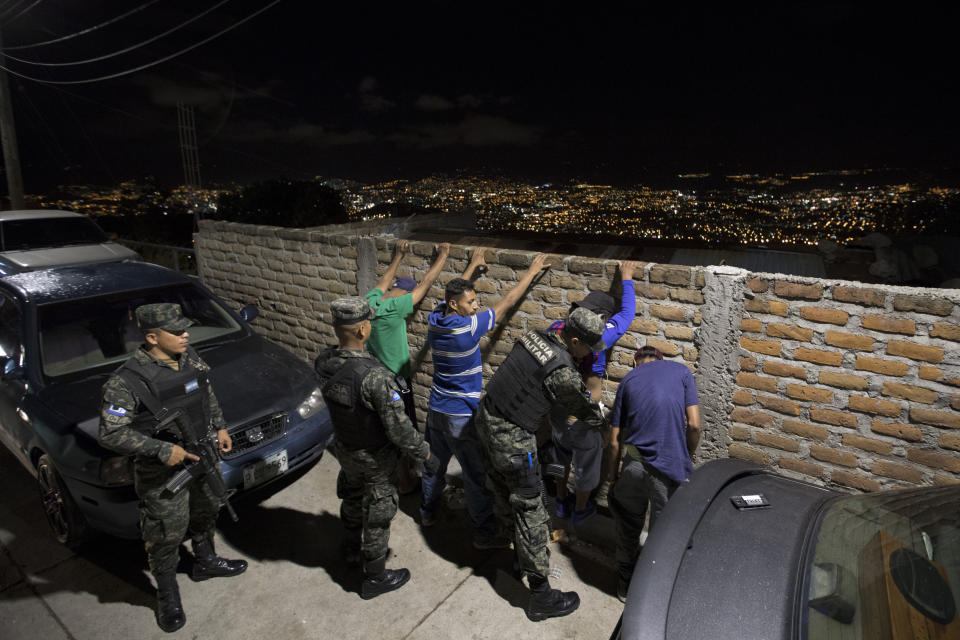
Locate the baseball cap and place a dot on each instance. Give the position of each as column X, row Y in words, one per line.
column 350, row 310
column 403, row 282
column 598, row 302
column 587, row 326
column 162, row 315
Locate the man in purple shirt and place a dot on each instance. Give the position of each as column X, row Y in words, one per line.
column 655, row 424
column 578, row 447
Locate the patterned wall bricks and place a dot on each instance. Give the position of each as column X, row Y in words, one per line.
column 831, row 358
column 819, row 314
column 856, row 295
column 889, row 325
column 870, row 375
column 849, row 341
column 793, row 290
column 915, row 351
column 776, row 368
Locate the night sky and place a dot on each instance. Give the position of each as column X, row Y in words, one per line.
column 611, row 92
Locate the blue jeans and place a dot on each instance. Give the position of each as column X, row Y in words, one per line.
column 456, row 436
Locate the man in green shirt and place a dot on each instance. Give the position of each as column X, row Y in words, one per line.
column 388, row 340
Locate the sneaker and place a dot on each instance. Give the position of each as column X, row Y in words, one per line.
column 579, row 517
column 492, row 542
column 565, row 507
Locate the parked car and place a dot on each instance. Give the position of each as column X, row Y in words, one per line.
column 45, row 238
column 741, row 552
column 64, row 330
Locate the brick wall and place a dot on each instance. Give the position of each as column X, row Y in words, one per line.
column 854, row 387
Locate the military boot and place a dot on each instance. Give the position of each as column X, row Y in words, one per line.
column 550, row 603
column 377, row 579
column 170, row 616
column 207, row 564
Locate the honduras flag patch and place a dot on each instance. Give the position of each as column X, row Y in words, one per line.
column 396, row 397
column 114, row 410
column 193, row 385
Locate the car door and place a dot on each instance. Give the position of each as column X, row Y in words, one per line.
column 14, row 431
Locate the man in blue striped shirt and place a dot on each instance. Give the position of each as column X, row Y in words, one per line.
column 455, row 329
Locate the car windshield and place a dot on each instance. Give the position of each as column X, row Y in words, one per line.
column 42, row 233
column 887, row 565
column 79, row 336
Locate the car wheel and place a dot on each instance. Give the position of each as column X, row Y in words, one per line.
column 66, row 522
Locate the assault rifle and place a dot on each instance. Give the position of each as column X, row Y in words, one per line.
column 207, row 467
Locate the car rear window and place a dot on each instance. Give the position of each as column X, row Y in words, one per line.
column 887, row 565
column 80, row 336
column 42, row 233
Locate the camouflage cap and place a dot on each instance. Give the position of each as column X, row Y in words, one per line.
column 162, row 315
column 350, row 310
column 587, row 326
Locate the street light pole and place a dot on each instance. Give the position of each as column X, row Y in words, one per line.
column 8, row 137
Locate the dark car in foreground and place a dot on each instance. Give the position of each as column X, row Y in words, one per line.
column 741, row 552
column 63, row 331
column 47, row 238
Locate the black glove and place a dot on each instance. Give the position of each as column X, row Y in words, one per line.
column 431, row 465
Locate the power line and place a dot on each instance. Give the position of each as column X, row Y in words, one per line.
column 84, row 31
column 8, row 21
column 149, row 64
column 122, row 51
column 10, row 9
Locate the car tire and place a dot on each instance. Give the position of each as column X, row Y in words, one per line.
column 66, row 521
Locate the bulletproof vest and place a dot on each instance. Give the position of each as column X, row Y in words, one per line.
column 185, row 389
column 355, row 426
column 516, row 389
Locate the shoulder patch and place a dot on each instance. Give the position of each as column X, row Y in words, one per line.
column 396, row 397
column 114, row 410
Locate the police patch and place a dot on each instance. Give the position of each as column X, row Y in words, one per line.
column 193, row 385
column 396, row 397
column 114, row 410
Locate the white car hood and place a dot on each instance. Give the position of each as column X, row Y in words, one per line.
column 72, row 255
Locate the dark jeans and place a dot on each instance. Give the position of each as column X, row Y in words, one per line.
column 638, row 484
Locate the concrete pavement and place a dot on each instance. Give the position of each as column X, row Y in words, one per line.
column 297, row 586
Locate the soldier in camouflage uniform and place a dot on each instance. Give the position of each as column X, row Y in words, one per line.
column 371, row 430
column 165, row 372
column 539, row 373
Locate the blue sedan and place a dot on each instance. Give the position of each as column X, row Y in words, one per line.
column 64, row 331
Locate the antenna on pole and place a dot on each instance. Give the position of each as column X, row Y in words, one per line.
column 8, row 137
column 189, row 153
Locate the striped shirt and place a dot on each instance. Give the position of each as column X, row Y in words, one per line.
column 457, row 368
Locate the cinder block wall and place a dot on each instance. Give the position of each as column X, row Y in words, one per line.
column 851, row 387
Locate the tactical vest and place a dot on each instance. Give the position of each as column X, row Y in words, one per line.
column 516, row 389
column 355, row 426
column 185, row 389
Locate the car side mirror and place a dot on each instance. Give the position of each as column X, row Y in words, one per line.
column 249, row 312
column 10, row 370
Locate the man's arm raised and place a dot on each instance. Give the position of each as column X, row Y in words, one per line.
column 479, row 258
column 391, row 271
column 513, row 296
column 443, row 250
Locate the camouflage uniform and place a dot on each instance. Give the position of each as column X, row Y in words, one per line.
column 164, row 519
column 367, row 482
column 513, row 469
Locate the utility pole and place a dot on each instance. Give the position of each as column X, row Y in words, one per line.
column 8, row 137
